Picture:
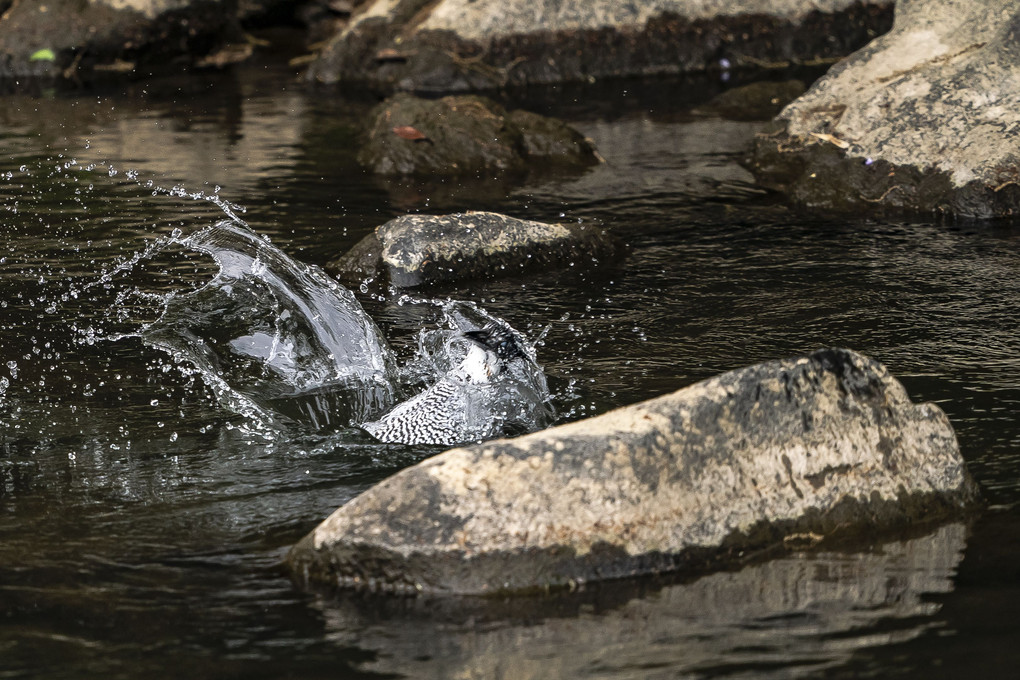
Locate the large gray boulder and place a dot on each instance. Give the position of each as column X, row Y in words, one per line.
column 922, row 119
column 414, row 250
column 471, row 45
column 786, row 451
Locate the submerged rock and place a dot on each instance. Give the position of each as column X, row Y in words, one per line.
column 762, row 100
column 786, row 451
column 464, row 135
column 922, row 119
column 413, row 250
column 474, row 45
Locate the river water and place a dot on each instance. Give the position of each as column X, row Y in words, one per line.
column 143, row 523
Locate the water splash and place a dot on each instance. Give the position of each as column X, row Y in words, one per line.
column 278, row 336
column 271, row 339
column 230, row 209
column 472, row 392
column 281, row 343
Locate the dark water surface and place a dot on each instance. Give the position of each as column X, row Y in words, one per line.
column 142, row 524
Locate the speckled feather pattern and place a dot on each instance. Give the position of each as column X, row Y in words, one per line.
column 436, row 416
column 462, row 405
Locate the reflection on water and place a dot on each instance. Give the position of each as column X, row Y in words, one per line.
column 142, row 524
column 788, row 617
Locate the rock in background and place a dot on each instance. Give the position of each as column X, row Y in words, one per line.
column 473, row 45
column 75, row 41
column 426, row 249
column 467, row 134
column 924, row 118
column 762, row 100
column 788, row 451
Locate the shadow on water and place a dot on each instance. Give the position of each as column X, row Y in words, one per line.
column 142, row 524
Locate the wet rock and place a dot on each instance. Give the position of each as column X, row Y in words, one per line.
column 475, row 45
column 762, row 100
column 922, row 119
column 794, row 452
column 466, row 134
column 73, row 41
column 425, row 249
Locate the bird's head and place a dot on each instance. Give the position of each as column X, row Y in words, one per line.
column 500, row 339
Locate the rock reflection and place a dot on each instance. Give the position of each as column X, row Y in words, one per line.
column 792, row 616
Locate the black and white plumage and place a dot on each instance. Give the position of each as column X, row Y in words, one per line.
column 463, row 405
column 499, row 338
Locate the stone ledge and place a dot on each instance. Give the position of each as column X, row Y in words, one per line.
column 480, row 45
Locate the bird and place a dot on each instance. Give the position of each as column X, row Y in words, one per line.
column 499, row 338
column 465, row 404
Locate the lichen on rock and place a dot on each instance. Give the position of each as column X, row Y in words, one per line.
column 75, row 41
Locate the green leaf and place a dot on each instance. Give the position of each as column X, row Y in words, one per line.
column 45, row 54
